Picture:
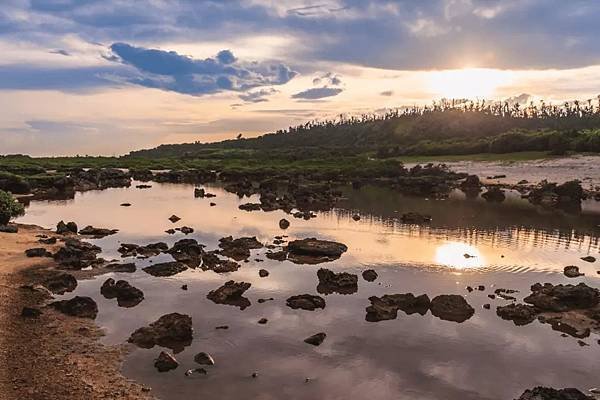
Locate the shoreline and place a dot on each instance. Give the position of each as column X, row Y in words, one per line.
column 53, row 356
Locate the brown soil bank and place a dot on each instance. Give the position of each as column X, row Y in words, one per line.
column 52, row 356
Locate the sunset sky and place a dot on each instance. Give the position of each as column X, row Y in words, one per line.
column 110, row 76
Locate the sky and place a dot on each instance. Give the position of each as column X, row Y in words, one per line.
column 104, row 77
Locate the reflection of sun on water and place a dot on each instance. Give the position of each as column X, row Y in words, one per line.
column 468, row 83
column 459, row 255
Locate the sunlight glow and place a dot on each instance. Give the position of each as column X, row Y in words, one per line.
column 468, row 83
column 454, row 254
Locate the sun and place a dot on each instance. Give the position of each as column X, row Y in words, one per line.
column 459, row 256
column 470, row 83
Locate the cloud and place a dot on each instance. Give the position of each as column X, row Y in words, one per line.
column 317, row 93
column 258, row 96
column 60, row 52
column 168, row 70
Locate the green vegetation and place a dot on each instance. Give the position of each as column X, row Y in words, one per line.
column 9, row 208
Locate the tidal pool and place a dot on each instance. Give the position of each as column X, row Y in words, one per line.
column 512, row 244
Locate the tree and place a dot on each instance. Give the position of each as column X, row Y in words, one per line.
column 9, row 208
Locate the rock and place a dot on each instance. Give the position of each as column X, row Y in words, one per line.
column 204, row 359
column 265, row 300
column 127, row 295
column 143, row 186
column 187, row 251
column 170, row 231
column 250, row 207
column 369, row 275
column 212, row 262
column 263, row 273
column 238, row 249
column 134, row 250
column 97, row 232
column 314, row 251
column 316, row 339
column 305, row 302
column 30, row 312
column 471, row 185
column 165, row 362
column 387, row 306
column 62, row 228
column 199, row 192
column 9, row 228
column 77, row 254
column 50, row 240
column 503, row 293
column 544, row 393
column 38, row 252
column 589, row 259
column 559, row 298
column 356, row 217
column 184, row 287
column 61, row 283
column 173, row 331
column 165, row 269
column 571, row 271
column 330, row 282
column 78, row 306
column 451, row 307
column 125, row 267
column 186, row 230
column 263, row 321
column 212, row 204
column 568, row 194
column 284, row 223
column 231, row 294
column 174, row 218
column 487, row 306
column 520, row 314
column 277, row 255
column 222, row 327
column 415, row 218
column 494, row 194
column 125, row 204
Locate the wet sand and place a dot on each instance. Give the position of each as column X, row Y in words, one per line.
column 53, row 356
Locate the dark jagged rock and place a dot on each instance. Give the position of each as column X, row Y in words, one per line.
column 166, row 268
column 314, row 251
column 356, row 217
column 204, row 359
column 559, row 298
column 263, row 321
column 50, row 240
column 187, row 251
column 231, row 294
column 451, row 307
column 174, row 218
column 212, row 262
column 173, row 331
column 165, row 362
column 520, row 314
column 186, row 230
column 60, row 283
column 98, row 179
column 284, row 223
column 134, row 250
column 201, row 193
column 316, row 339
column 143, row 186
column 544, row 393
column 263, row 273
column 471, row 185
column 126, row 295
column 369, row 275
column 250, row 206
column 552, row 195
column 125, row 204
column 589, row 259
column 571, row 271
column 238, row 249
column 277, row 255
column 387, row 306
column 494, row 194
column 97, row 232
column 142, row 175
column 78, row 306
column 125, row 267
column 305, row 302
column 505, row 293
column 330, row 282
column 62, row 228
column 38, row 252
column 77, row 254
column 415, row 218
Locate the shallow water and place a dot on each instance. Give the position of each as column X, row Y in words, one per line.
column 413, row 357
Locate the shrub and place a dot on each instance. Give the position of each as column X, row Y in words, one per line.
column 9, row 208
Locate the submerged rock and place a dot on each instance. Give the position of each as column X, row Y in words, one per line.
column 451, row 307
column 165, row 269
column 305, row 302
column 520, row 314
column 330, row 282
column 387, row 306
column 165, row 362
column 127, row 295
column 61, row 283
column 369, row 275
column 211, row 261
column 125, row 267
column 173, row 331
column 571, row 271
column 238, row 249
column 316, row 339
column 231, row 294
column 545, row 393
column 78, row 306
column 134, row 250
column 314, row 251
column 97, row 232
